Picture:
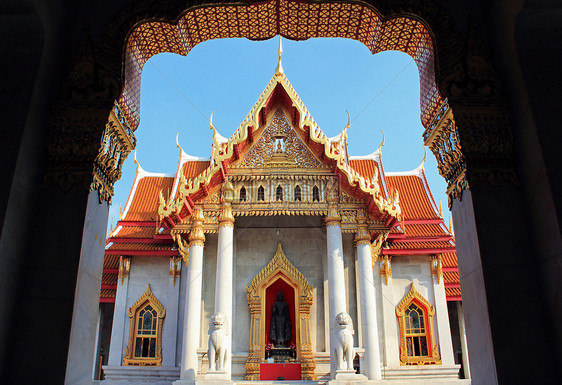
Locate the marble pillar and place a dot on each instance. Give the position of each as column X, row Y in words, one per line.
column 464, row 348
column 336, row 277
column 80, row 366
column 193, row 286
column 368, row 308
column 170, row 329
column 120, row 317
column 442, row 316
column 223, row 289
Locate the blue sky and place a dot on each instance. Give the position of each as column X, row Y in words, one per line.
column 178, row 94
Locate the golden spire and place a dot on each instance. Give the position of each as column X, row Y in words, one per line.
column 120, row 210
column 111, row 227
column 279, row 69
column 382, row 143
column 440, row 209
column 135, row 160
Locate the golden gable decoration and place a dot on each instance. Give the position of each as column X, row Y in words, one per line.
column 280, row 266
column 280, row 147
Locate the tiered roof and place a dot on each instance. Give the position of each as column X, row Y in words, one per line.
column 157, row 202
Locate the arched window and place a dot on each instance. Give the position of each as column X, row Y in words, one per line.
column 243, row 194
column 297, row 193
column 261, row 194
column 279, row 193
column 417, row 340
column 315, row 194
column 145, row 332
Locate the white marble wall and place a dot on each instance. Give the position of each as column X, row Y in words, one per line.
column 153, row 271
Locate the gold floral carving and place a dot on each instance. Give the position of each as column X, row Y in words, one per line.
column 175, row 269
column 363, row 236
column 226, row 218
column 183, row 247
column 414, row 295
column 280, row 268
column 124, row 268
column 385, row 267
column 272, row 152
column 128, row 359
column 196, row 236
column 376, row 248
column 436, row 267
column 117, row 143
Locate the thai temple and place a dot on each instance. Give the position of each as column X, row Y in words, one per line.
column 281, row 257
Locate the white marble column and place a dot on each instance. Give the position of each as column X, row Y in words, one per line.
column 445, row 341
column 464, row 348
column 391, row 332
column 368, row 305
column 82, row 345
column 170, row 329
column 336, row 277
column 194, row 282
column 120, row 317
column 225, row 253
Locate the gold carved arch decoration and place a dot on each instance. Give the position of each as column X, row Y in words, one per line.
column 280, row 268
column 296, row 20
column 130, row 358
column 433, row 356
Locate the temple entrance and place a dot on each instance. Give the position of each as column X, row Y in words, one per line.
column 280, row 298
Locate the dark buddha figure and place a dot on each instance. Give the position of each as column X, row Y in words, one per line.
column 280, row 329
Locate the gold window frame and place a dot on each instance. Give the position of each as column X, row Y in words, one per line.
column 129, row 358
column 433, row 356
column 280, row 268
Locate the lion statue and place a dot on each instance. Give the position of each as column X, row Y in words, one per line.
column 218, row 348
column 344, row 342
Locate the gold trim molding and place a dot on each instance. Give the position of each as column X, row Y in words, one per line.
column 280, row 268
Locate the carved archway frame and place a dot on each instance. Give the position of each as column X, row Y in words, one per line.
column 456, row 73
column 429, row 312
column 280, row 268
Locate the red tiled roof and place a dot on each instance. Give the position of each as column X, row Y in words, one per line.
column 414, row 202
column 366, row 168
column 135, row 232
column 140, row 246
column 192, row 168
column 144, row 206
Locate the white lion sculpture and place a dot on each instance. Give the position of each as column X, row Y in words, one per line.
column 344, row 341
column 218, row 349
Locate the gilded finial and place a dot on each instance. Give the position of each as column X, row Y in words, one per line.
column 450, row 226
column 178, row 143
column 120, row 210
column 135, row 160
column 382, row 143
column 211, row 127
column 348, row 125
column 440, row 209
column 111, row 227
column 279, row 69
